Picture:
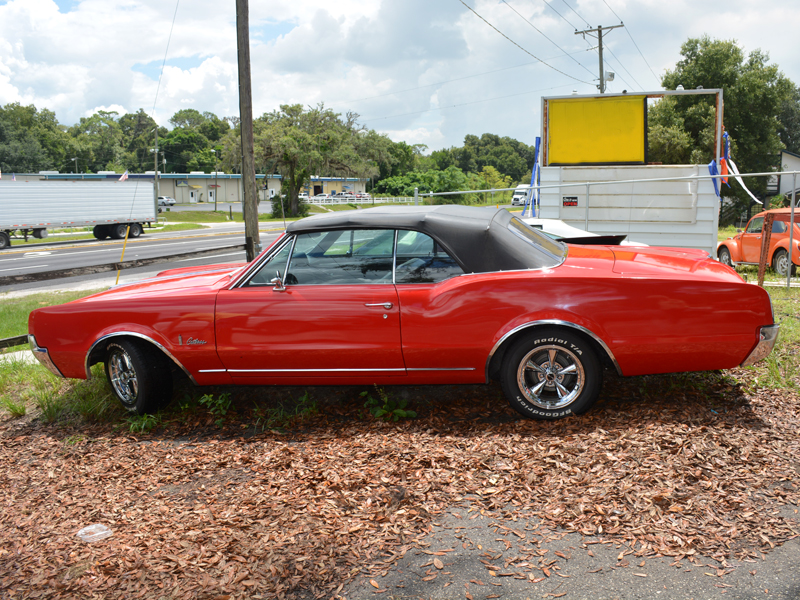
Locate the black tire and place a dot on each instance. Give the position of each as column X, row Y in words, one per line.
column 118, row 231
column 724, row 256
column 780, row 262
column 5, row 240
column 136, row 230
column 139, row 376
column 550, row 374
column 100, row 232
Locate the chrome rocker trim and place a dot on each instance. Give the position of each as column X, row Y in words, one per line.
column 329, row 370
column 137, row 335
column 560, row 324
column 767, row 336
column 43, row 356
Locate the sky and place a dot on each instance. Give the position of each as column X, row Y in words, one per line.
column 421, row 71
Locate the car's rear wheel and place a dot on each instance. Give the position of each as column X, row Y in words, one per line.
column 139, row 376
column 724, row 256
column 780, row 262
column 551, row 374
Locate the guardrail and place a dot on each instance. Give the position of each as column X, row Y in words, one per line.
column 359, row 201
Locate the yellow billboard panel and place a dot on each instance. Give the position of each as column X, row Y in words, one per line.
column 596, row 130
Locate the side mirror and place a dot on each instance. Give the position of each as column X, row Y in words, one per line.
column 738, row 231
column 278, row 283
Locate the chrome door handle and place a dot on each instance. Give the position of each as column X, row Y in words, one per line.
column 386, row 305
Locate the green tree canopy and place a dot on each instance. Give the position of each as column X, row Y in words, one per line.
column 682, row 128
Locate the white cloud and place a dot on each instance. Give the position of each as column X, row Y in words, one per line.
column 420, row 71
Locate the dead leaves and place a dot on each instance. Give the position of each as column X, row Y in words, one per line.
column 302, row 513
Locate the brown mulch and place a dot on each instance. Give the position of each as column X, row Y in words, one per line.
column 672, row 466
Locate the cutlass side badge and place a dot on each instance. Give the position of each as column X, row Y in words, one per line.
column 195, row 342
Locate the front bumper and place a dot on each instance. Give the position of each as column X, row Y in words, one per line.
column 767, row 337
column 43, row 356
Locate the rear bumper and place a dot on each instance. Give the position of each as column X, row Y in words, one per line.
column 43, row 356
column 766, row 342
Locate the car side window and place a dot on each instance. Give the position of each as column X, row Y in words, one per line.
column 420, row 259
column 345, row 257
column 274, row 267
column 779, row 227
column 755, row 225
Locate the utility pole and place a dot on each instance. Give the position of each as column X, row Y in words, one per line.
column 155, row 172
column 599, row 34
column 252, row 240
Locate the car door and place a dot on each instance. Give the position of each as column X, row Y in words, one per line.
column 441, row 337
column 751, row 240
column 335, row 314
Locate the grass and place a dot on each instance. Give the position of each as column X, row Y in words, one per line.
column 14, row 316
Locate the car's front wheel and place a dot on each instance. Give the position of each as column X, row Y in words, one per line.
column 139, row 376
column 724, row 256
column 551, row 374
column 780, row 262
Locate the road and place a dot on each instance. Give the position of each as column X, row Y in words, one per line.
column 40, row 258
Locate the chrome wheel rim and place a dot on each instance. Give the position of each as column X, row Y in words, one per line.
column 782, row 263
column 551, row 377
column 122, row 376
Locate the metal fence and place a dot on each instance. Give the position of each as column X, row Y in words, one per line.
column 359, row 201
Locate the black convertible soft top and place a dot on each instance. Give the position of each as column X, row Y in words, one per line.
column 481, row 239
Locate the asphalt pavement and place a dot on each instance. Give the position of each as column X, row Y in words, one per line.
column 475, row 556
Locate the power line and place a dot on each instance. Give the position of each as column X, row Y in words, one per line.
column 421, row 87
column 634, row 43
column 464, row 104
column 545, row 36
column 573, row 10
column 626, row 70
column 166, row 51
column 520, row 47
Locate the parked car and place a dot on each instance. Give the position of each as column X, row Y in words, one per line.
column 415, row 295
column 745, row 247
column 166, row 201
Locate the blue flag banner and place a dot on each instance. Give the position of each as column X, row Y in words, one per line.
column 712, row 169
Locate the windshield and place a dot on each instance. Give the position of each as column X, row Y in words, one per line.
column 553, row 253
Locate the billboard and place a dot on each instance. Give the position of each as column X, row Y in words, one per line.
column 595, row 130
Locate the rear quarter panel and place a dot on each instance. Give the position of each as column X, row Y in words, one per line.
column 652, row 324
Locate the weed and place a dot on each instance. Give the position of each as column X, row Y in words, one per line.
column 52, row 406
column 74, row 440
column 16, row 408
column 143, row 423
column 218, row 406
column 280, row 417
column 387, row 408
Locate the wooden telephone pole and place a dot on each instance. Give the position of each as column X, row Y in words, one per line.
column 599, row 34
column 252, row 239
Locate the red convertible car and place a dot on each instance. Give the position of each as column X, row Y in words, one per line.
column 413, row 295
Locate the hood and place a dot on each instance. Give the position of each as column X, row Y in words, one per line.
column 209, row 277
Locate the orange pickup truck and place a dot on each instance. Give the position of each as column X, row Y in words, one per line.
column 745, row 247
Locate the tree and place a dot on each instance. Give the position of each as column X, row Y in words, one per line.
column 754, row 92
column 299, row 143
column 789, row 121
column 32, row 140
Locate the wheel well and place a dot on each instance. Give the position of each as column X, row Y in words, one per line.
column 97, row 353
column 603, row 354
